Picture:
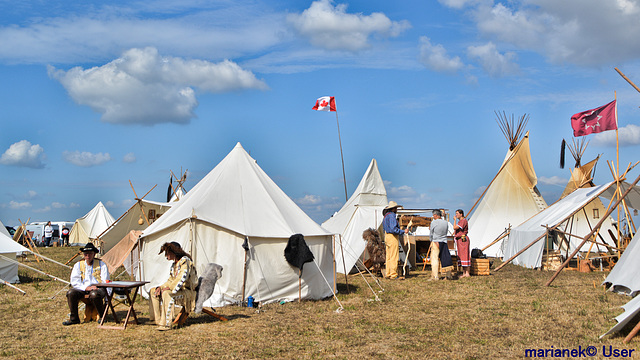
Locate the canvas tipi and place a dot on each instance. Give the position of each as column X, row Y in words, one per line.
column 237, row 200
column 512, row 196
column 88, row 227
column 362, row 211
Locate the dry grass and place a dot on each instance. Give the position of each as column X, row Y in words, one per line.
column 497, row 316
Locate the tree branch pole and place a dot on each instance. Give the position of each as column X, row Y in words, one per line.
column 588, row 236
column 626, row 78
column 344, row 176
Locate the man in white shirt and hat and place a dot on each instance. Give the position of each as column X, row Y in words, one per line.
column 85, row 274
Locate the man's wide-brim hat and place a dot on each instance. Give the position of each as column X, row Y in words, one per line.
column 90, row 247
column 392, row 205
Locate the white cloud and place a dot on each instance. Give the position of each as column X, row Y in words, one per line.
column 198, row 29
column 19, row 205
column 142, row 87
column 331, row 27
column 492, row 61
column 435, row 57
column 479, row 191
column 57, row 205
column 627, row 136
column 23, row 154
column 31, row 194
column 129, row 158
column 309, row 200
column 554, row 180
column 407, row 196
column 582, row 32
column 85, row 158
column 74, row 205
column 43, row 210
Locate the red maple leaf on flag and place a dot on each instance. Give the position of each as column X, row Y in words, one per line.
column 325, row 103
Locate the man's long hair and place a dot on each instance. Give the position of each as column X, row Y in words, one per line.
column 174, row 248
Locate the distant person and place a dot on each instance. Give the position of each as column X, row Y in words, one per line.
column 84, row 275
column 391, row 239
column 64, row 236
column 179, row 289
column 440, row 256
column 48, row 234
column 461, row 229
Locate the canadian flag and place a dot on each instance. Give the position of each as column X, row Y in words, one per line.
column 325, row 103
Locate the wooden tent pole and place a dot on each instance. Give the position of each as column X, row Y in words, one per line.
column 30, row 243
column 36, row 270
column 521, row 251
column 626, row 78
column 581, row 238
column 11, row 286
column 299, row 285
column 506, row 233
column 609, row 211
column 633, row 333
column 344, row 266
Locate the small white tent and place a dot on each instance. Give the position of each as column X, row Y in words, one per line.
column 511, row 198
column 88, row 227
column 362, row 211
column 558, row 213
column 236, row 200
column 9, row 248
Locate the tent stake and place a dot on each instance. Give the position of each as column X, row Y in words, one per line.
column 11, row 286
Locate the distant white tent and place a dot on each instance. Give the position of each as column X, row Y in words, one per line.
column 558, row 213
column 88, row 227
column 362, row 211
column 3, row 230
column 138, row 217
column 9, row 248
column 511, row 198
column 236, row 200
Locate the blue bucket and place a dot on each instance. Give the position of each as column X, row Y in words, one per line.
column 250, row 301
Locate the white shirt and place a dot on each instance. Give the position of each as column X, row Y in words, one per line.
column 48, row 231
column 89, row 279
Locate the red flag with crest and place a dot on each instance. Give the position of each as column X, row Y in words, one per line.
column 595, row 120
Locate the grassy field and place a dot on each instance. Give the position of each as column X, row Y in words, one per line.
column 484, row 317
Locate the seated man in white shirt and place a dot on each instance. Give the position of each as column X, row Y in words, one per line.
column 85, row 274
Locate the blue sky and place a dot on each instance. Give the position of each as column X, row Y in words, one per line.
column 94, row 94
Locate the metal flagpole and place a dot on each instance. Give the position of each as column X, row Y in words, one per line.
column 344, row 177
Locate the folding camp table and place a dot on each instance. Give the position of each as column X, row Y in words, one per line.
column 129, row 285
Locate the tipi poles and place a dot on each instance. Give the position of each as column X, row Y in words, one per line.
column 32, row 245
column 609, row 211
column 344, row 176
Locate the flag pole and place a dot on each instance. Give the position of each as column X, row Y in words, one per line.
column 344, row 177
column 618, row 191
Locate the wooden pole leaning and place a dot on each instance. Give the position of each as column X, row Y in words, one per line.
column 505, row 233
column 29, row 240
column 609, row 211
column 344, row 176
column 11, row 286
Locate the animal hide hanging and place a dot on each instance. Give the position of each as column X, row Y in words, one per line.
column 297, row 253
column 206, row 283
column 375, row 248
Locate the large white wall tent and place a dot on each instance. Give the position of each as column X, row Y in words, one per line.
column 511, row 198
column 237, row 199
column 88, row 227
column 362, row 211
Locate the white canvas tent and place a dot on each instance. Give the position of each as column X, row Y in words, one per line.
column 624, row 277
column 236, row 200
column 558, row 213
column 511, row 198
column 584, row 220
column 9, row 248
column 3, row 230
column 138, row 217
column 362, row 211
column 88, row 227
